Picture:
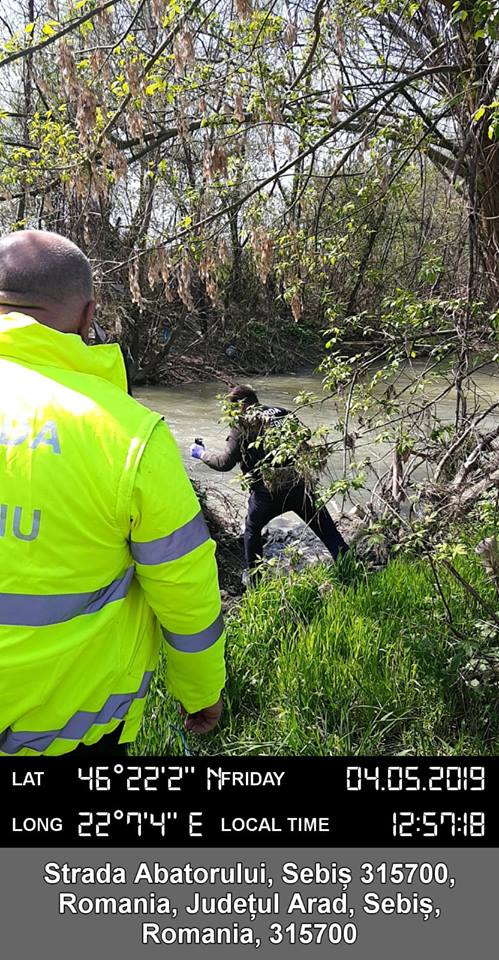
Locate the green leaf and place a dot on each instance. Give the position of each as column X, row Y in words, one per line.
column 479, row 114
column 29, row 27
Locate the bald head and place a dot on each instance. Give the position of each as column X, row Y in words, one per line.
column 48, row 277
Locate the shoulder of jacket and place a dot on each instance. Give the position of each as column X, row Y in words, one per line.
column 135, row 412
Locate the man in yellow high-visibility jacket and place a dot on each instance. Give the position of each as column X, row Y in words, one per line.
column 104, row 552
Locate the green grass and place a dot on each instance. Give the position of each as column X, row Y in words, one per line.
column 367, row 667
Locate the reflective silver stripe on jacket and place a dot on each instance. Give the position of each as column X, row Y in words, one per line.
column 32, row 610
column 196, row 642
column 115, row 708
column 176, row 545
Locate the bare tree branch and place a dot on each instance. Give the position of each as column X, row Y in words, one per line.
column 72, row 25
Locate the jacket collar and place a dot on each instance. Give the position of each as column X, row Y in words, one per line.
column 25, row 341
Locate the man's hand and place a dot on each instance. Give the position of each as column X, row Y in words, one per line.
column 197, row 450
column 203, row 720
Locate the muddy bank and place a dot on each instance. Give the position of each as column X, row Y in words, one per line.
column 254, row 349
column 287, row 550
column 178, row 367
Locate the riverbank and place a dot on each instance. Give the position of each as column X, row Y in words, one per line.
column 317, row 667
column 397, row 653
column 286, row 549
column 230, row 360
column 337, row 660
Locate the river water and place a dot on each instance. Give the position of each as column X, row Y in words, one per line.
column 192, row 410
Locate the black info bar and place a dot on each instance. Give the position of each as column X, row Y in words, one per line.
column 264, row 801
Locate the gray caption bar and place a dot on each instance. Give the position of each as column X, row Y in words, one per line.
column 328, row 902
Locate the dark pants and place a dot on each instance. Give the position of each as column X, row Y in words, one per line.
column 264, row 506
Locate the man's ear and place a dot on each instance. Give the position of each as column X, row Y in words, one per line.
column 86, row 320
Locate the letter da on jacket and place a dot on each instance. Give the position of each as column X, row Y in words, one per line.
column 14, row 434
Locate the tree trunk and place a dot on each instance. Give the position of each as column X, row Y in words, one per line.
column 488, row 208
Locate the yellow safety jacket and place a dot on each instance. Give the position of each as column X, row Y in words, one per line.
column 103, row 550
